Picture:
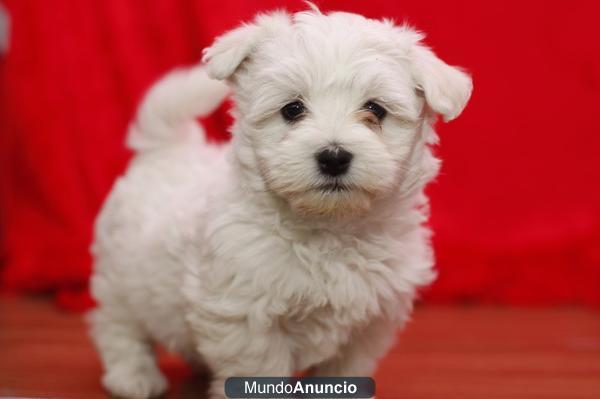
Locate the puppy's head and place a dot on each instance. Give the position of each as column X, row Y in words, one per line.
column 332, row 107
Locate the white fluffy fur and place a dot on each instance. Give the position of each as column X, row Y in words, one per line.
column 231, row 255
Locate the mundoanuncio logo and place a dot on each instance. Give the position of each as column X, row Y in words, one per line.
column 296, row 387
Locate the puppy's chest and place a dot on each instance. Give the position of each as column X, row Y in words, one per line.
column 333, row 294
column 303, row 284
column 339, row 279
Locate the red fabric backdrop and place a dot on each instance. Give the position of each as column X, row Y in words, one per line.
column 516, row 209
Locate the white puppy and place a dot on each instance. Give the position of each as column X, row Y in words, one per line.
column 301, row 244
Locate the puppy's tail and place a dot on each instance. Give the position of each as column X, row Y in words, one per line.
column 169, row 110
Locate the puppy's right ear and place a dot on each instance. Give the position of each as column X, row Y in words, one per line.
column 233, row 48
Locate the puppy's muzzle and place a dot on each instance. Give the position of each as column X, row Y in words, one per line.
column 334, row 161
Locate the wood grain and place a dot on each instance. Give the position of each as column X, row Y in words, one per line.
column 445, row 353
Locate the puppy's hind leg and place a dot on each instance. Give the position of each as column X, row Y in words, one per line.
column 130, row 369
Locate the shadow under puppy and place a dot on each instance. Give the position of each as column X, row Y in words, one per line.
column 300, row 244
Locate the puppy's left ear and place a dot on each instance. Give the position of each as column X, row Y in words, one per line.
column 233, row 48
column 446, row 88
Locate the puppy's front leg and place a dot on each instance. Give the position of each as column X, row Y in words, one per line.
column 237, row 349
column 358, row 358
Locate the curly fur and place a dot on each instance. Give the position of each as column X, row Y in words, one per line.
column 234, row 255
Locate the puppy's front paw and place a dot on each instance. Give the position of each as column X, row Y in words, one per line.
column 135, row 384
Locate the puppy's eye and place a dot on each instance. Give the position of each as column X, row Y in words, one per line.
column 293, row 111
column 375, row 109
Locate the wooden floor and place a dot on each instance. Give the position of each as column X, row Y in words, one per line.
column 445, row 353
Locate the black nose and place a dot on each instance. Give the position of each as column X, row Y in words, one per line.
column 334, row 162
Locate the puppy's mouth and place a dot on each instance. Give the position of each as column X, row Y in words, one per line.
column 333, row 187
